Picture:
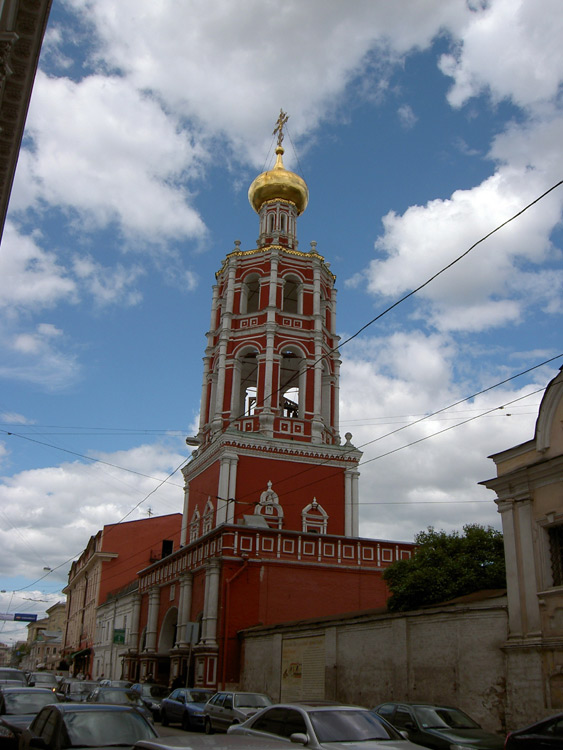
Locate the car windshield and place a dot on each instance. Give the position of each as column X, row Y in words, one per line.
column 442, row 717
column 44, row 678
column 13, row 674
column 350, row 726
column 104, row 728
column 121, row 697
column 27, row 702
column 199, row 696
column 82, row 687
column 252, row 700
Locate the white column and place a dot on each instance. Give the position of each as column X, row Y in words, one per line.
column 226, row 487
column 336, row 399
column 152, row 619
column 348, row 503
column 184, row 607
column 528, row 586
column 134, row 632
column 233, row 462
column 355, row 503
column 211, row 602
column 185, row 519
column 506, row 510
column 273, row 282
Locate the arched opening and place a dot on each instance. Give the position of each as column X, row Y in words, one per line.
column 250, row 294
column 245, row 382
column 292, row 385
column 291, row 295
column 167, row 637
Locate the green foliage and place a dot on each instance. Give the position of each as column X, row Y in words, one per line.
column 446, row 566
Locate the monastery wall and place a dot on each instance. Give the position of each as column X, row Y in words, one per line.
column 451, row 654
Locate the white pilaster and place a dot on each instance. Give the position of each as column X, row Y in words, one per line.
column 152, row 619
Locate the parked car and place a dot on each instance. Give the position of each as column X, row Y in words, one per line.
column 86, row 725
column 213, row 742
column 119, row 697
column 438, row 726
column 116, row 683
column 224, row 709
column 11, row 676
column 319, row 726
column 152, row 695
column 18, row 707
column 185, row 706
column 547, row 733
column 43, row 679
column 76, row 691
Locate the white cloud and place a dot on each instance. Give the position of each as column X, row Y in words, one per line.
column 486, row 288
column 511, row 49
column 109, row 154
column 407, row 117
column 30, row 277
column 382, row 398
column 108, row 285
column 40, row 505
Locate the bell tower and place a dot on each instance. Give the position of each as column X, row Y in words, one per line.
column 269, row 422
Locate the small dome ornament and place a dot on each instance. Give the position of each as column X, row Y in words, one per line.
column 279, row 183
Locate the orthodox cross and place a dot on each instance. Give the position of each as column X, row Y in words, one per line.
column 281, row 121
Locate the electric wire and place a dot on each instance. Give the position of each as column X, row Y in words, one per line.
column 333, row 350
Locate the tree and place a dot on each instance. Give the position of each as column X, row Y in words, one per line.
column 446, row 566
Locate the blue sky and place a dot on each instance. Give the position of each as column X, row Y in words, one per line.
column 419, row 127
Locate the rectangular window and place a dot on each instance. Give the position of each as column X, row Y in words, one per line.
column 556, row 551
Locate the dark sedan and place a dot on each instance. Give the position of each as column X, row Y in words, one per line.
column 18, row 707
column 547, row 733
column 438, row 726
column 152, row 695
column 86, row 725
column 119, row 697
column 185, row 706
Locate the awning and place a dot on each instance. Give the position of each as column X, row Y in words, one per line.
column 83, row 652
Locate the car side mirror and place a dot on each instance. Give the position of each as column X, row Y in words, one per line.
column 404, row 734
column 300, row 738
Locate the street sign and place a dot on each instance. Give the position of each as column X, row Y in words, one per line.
column 20, row 616
column 119, row 635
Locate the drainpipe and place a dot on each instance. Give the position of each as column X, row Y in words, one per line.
column 226, row 626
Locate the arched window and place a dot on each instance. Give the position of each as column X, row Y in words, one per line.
column 194, row 525
column 315, row 518
column 245, row 383
column 208, row 516
column 269, row 508
column 271, row 220
column 283, row 223
column 250, row 294
column 292, row 385
column 291, row 295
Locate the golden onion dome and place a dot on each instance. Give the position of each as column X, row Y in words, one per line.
column 279, row 183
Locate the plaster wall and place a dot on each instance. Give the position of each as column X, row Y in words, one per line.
column 452, row 655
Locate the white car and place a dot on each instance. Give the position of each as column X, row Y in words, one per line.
column 322, row 726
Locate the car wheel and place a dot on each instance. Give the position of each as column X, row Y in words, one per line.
column 208, row 727
column 163, row 719
column 186, row 722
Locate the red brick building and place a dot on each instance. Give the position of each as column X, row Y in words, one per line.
column 112, row 559
column 270, row 522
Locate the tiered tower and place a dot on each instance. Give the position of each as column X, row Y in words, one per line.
column 269, row 403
